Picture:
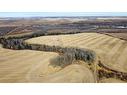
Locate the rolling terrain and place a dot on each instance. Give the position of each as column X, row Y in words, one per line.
column 61, row 49
column 33, row 66
column 111, row 51
column 16, row 66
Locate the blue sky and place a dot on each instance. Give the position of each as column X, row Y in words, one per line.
column 51, row 14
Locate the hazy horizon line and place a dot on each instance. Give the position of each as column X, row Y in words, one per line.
column 60, row 14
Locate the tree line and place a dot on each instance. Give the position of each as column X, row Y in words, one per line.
column 66, row 55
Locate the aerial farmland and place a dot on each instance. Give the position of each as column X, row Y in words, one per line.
column 63, row 50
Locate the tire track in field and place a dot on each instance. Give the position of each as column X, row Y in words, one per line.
column 31, row 75
column 111, row 55
column 72, row 43
column 96, row 44
column 11, row 56
column 56, row 37
column 12, row 67
column 105, row 46
column 90, row 44
column 114, row 50
column 122, row 58
column 110, row 45
column 86, row 41
column 74, row 38
column 79, row 39
column 119, row 52
column 18, row 60
column 101, row 44
column 15, row 56
column 22, row 67
column 91, row 41
column 68, row 74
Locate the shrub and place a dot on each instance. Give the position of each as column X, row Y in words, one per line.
column 62, row 60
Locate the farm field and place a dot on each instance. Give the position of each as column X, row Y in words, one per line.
column 118, row 35
column 17, row 66
column 110, row 50
column 63, row 50
column 33, row 66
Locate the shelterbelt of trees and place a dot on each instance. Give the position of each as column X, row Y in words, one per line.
column 67, row 55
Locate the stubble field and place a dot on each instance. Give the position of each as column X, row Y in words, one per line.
column 111, row 50
column 34, row 66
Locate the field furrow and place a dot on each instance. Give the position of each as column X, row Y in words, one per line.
column 107, row 47
column 33, row 66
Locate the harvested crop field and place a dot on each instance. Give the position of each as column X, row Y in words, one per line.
column 16, row 66
column 110, row 50
column 122, row 36
column 34, row 66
